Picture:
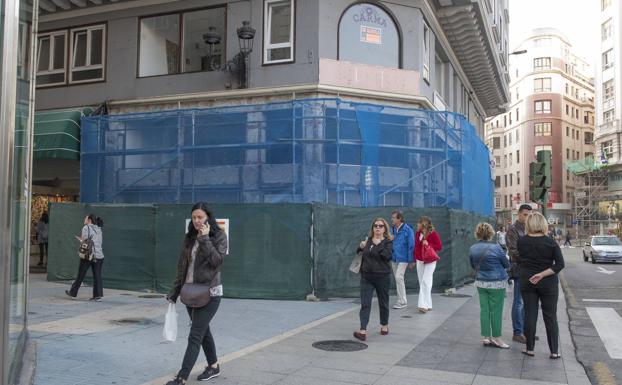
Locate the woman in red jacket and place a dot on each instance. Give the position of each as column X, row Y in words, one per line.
column 425, row 235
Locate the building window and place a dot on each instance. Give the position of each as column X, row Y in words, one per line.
column 498, row 181
column 496, row 143
column 517, row 116
column 609, row 115
column 604, row 4
column 542, row 85
column 566, row 88
column 23, row 51
column 161, row 51
column 607, row 59
column 505, row 161
column 567, row 153
column 279, row 31
column 567, row 131
column 497, row 161
column 510, row 138
column 426, row 52
column 505, row 181
column 608, row 90
column 542, row 106
column 367, row 34
column 606, row 148
column 567, row 109
column 588, row 138
column 51, row 58
column 517, row 135
column 517, row 156
column 498, row 202
column 573, row 133
column 576, row 113
column 518, row 177
column 505, row 140
column 541, row 63
column 88, row 46
column 505, row 201
column 606, row 30
column 511, row 180
column 542, row 129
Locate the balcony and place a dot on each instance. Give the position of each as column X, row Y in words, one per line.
column 608, row 128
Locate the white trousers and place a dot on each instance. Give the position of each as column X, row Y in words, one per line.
column 425, row 272
column 399, row 269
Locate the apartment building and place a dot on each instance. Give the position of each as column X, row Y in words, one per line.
column 609, row 97
column 154, row 56
column 551, row 108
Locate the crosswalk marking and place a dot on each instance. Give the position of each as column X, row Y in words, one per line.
column 602, row 300
column 608, row 324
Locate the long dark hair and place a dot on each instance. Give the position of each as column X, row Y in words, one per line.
column 191, row 235
column 98, row 221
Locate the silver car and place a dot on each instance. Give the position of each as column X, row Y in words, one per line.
column 603, row 248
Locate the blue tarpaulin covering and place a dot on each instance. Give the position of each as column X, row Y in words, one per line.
column 310, row 150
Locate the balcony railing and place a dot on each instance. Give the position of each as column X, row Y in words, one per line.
column 608, row 128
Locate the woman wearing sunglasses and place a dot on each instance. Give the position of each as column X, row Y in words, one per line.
column 375, row 275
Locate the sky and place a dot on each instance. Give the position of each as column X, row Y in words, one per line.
column 578, row 20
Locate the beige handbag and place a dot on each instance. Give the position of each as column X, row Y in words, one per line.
column 355, row 266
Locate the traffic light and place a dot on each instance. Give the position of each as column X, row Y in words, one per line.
column 540, row 176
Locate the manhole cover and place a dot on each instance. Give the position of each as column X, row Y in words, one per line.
column 456, row 295
column 339, row 345
column 151, row 296
column 407, row 316
column 132, row 321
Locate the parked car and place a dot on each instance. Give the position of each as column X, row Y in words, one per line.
column 603, row 248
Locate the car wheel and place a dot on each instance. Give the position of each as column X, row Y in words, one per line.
column 593, row 260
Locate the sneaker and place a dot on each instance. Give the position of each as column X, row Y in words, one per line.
column 399, row 305
column 69, row 294
column 519, row 338
column 210, row 372
column 95, row 299
column 176, row 381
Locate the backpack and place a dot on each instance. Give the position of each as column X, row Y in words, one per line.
column 85, row 250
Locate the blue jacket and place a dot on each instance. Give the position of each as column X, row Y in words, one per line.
column 403, row 243
column 491, row 260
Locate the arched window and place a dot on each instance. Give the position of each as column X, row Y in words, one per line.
column 368, row 34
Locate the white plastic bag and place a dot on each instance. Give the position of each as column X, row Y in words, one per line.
column 170, row 324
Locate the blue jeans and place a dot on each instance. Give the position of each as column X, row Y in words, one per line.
column 518, row 310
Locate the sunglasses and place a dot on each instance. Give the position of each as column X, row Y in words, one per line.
column 380, row 226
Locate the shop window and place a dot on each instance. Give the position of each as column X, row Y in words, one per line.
column 368, row 34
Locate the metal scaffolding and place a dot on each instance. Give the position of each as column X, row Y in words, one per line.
column 589, row 220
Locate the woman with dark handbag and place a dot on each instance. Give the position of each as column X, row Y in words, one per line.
column 92, row 230
column 540, row 261
column 198, row 285
column 427, row 245
column 376, row 271
column 488, row 260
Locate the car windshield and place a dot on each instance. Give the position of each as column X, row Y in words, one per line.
column 600, row 241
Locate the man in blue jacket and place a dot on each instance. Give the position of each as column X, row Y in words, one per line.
column 403, row 248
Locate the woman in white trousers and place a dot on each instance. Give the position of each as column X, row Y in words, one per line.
column 425, row 236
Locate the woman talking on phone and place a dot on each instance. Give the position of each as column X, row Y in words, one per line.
column 198, row 284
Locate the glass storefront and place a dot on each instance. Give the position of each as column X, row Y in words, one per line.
column 16, row 115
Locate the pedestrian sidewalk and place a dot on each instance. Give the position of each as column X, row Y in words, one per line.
column 118, row 341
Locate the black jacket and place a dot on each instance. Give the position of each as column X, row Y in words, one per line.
column 209, row 258
column 377, row 258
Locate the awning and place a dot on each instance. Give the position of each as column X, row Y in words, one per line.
column 57, row 133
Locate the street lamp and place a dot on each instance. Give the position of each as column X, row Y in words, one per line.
column 238, row 65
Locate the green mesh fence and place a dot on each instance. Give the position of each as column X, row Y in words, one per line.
column 270, row 246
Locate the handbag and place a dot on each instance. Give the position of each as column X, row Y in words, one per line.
column 195, row 294
column 355, row 265
column 85, row 249
column 429, row 255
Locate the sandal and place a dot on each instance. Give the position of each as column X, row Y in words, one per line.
column 384, row 332
column 555, row 356
column 360, row 336
column 501, row 345
column 527, row 353
column 486, row 342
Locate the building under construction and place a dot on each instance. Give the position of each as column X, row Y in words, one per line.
column 596, row 210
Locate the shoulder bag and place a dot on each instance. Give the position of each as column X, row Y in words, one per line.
column 428, row 254
column 195, row 294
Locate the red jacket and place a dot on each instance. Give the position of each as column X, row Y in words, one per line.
column 433, row 240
